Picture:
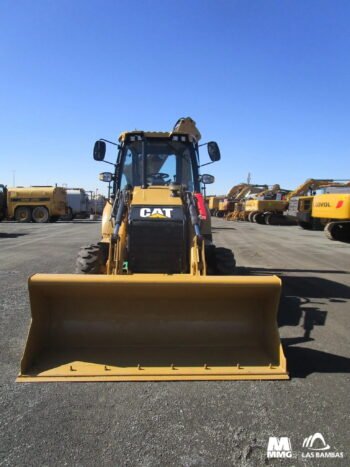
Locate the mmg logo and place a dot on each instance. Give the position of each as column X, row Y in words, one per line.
column 279, row 447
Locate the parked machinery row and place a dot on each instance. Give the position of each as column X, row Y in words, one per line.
column 315, row 204
column 276, row 206
column 328, row 210
column 226, row 205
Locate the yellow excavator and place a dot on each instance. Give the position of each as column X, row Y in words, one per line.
column 296, row 198
column 238, row 202
column 267, row 206
column 154, row 299
column 226, row 205
column 329, row 210
column 221, row 206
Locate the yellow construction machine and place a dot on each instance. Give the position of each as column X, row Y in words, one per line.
column 227, row 206
column 246, row 192
column 39, row 204
column 222, row 206
column 214, row 204
column 276, row 206
column 329, row 210
column 301, row 194
column 3, row 202
column 154, row 299
column 267, row 207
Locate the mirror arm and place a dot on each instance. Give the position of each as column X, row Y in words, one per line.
column 208, row 163
column 110, row 163
column 110, row 142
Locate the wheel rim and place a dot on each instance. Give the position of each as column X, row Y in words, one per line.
column 22, row 215
column 40, row 215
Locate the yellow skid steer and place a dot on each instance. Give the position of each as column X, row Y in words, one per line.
column 154, row 299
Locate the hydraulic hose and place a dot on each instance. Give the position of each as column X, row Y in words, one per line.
column 193, row 215
column 119, row 215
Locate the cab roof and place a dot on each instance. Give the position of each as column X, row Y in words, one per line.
column 185, row 127
column 155, row 134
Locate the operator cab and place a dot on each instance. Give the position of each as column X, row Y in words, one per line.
column 158, row 162
column 157, row 159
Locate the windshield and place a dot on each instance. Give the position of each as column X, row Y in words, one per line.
column 165, row 162
column 332, row 189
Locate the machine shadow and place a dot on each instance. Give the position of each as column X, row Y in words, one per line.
column 303, row 361
column 11, row 235
column 301, row 306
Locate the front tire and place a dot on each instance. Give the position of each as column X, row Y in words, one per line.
column 23, row 214
column 92, row 259
column 258, row 218
column 220, row 261
column 225, row 262
column 339, row 231
column 251, row 216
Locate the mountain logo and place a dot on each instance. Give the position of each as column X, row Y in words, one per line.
column 316, row 442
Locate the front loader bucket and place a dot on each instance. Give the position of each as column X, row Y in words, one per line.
column 153, row 327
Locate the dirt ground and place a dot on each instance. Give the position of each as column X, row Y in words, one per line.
column 184, row 423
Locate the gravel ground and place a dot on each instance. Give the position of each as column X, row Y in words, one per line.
column 184, row 423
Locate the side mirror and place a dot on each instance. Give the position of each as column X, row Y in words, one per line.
column 207, row 179
column 99, row 150
column 106, row 177
column 214, row 151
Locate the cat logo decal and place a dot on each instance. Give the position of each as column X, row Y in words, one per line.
column 156, row 213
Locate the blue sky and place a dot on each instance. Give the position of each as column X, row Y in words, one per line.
column 269, row 80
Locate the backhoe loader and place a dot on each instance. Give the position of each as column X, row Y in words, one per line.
column 154, row 299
